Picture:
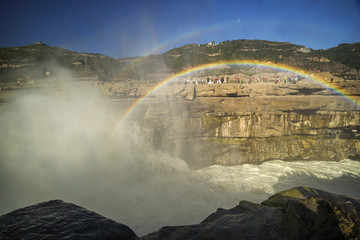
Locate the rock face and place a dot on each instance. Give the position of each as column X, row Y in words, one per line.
column 298, row 213
column 60, row 220
column 231, row 124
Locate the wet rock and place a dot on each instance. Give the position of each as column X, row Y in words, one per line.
column 60, row 220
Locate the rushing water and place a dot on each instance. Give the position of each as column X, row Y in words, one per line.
column 56, row 147
column 273, row 176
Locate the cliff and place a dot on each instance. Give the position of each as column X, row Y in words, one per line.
column 231, row 124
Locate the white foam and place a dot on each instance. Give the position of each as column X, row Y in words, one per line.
column 265, row 176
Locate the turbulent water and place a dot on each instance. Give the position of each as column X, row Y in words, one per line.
column 273, row 176
column 63, row 146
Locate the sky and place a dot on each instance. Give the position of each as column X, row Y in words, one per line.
column 128, row 28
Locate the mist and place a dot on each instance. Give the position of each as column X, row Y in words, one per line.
column 60, row 144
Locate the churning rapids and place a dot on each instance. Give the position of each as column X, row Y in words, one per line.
column 62, row 146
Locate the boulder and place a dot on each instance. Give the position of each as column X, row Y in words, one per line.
column 60, row 220
column 297, row 213
column 315, row 214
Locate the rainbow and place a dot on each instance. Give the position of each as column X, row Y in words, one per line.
column 280, row 67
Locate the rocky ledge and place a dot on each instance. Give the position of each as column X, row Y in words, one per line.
column 297, row 213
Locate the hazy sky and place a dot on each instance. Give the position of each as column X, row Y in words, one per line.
column 138, row 27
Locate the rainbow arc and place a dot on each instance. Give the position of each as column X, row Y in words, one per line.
column 280, row 67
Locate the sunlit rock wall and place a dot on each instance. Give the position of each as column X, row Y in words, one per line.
column 231, row 124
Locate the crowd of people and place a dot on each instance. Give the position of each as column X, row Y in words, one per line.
column 236, row 80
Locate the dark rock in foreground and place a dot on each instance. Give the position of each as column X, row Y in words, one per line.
column 60, row 220
column 298, row 213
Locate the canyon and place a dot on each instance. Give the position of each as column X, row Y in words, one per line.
column 86, row 127
column 207, row 124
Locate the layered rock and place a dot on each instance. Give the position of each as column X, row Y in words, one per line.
column 231, row 124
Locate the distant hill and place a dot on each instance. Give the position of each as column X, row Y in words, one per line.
column 340, row 61
column 346, row 54
column 194, row 54
column 33, row 61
